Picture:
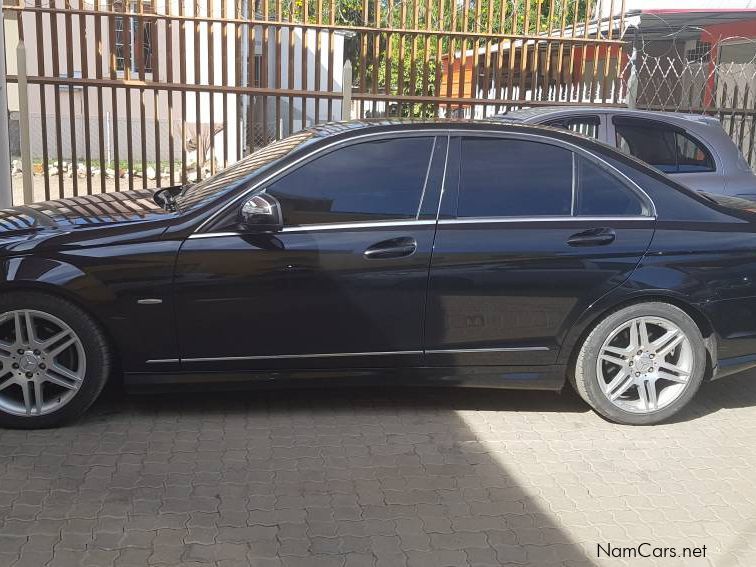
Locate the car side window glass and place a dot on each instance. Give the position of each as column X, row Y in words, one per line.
column 506, row 178
column 585, row 125
column 369, row 181
column 691, row 156
column 601, row 193
column 665, row 149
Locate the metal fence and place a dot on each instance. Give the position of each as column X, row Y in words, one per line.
column 715, row 76
column 126, row 93
column 141, row 93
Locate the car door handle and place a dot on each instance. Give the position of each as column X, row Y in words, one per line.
column 592, row 237
column 394, row 248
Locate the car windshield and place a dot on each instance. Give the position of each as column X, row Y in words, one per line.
column 212, row 187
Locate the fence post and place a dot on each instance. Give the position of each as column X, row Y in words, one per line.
column 346, row 91
column 6, row 192
column 23, row 124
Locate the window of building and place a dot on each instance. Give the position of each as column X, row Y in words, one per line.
column 133, row 43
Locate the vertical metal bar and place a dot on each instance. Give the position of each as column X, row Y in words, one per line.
column 114, row 102
column 84, row 60
column 546, row 83
column 290, row 68
column 332, row 21
column 210, row 35
column 279, row 61
column 6, row 191
column 450, row 57
column 127, row 63
column 524, row 51
column 197, row 94
column 71, row 107
column 318, row 56
column 142, row 109
column 183, row 80
column 155, row 36
column 100, row 110
column 264, row 73
column 57, row 113
column 224, row 79
column 305, row 81
column 39, row 29
column 169, row 25
column 400, row 81
column 439, row 48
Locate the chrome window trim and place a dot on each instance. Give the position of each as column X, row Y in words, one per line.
column 363, row 137
column 427, row 176
column 328, row 227
column 561, row 218
column 162, row 360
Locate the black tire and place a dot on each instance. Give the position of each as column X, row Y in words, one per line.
column 95, row 346
column 585, row 376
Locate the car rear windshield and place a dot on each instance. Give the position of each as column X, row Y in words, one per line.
column 228, row 179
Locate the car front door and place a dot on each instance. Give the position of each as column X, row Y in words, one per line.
column 533, row 234
column 342, row 285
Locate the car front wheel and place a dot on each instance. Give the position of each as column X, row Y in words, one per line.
column 54, row 360
column 642, row 364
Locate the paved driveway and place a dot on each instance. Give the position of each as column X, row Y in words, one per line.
column 376, row 477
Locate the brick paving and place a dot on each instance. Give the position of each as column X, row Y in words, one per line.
column 350, row 478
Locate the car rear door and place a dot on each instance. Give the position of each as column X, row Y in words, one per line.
column 531, row 234
column 342, row 285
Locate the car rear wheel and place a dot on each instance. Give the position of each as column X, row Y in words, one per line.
column 642, row 364
column 54, row 361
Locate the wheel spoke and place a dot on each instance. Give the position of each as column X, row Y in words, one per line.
column 64, row 372
column 650, row 387
column 613, row 359
column 619, row 351
column 26, row 389
column 669, row 371
column 18, row 324
column 643, row 341
column 53, row 379
column 668, row 342
column 619, row 384
column 38, row 401
column 634, row 340
column 31, row 336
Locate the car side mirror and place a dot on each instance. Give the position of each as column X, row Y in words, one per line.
column 262, row 213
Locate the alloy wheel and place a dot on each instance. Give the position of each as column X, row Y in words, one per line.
column 645, row 364
column 42, row 363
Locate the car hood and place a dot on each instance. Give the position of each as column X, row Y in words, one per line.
column 81, row 212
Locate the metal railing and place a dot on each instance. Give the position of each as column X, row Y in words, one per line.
column 128, row 93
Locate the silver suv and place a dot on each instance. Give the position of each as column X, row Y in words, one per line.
column 694, row 149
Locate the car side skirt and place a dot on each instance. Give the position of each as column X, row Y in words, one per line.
column 550, row 377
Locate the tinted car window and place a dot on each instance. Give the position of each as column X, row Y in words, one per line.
column 666, row 149
column 602, row 193
column 514, row 178
column 376, row 180
column 585, row 125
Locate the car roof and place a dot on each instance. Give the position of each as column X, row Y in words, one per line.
column 531, row 115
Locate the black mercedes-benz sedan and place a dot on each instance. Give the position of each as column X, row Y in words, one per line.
column 468, row 254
